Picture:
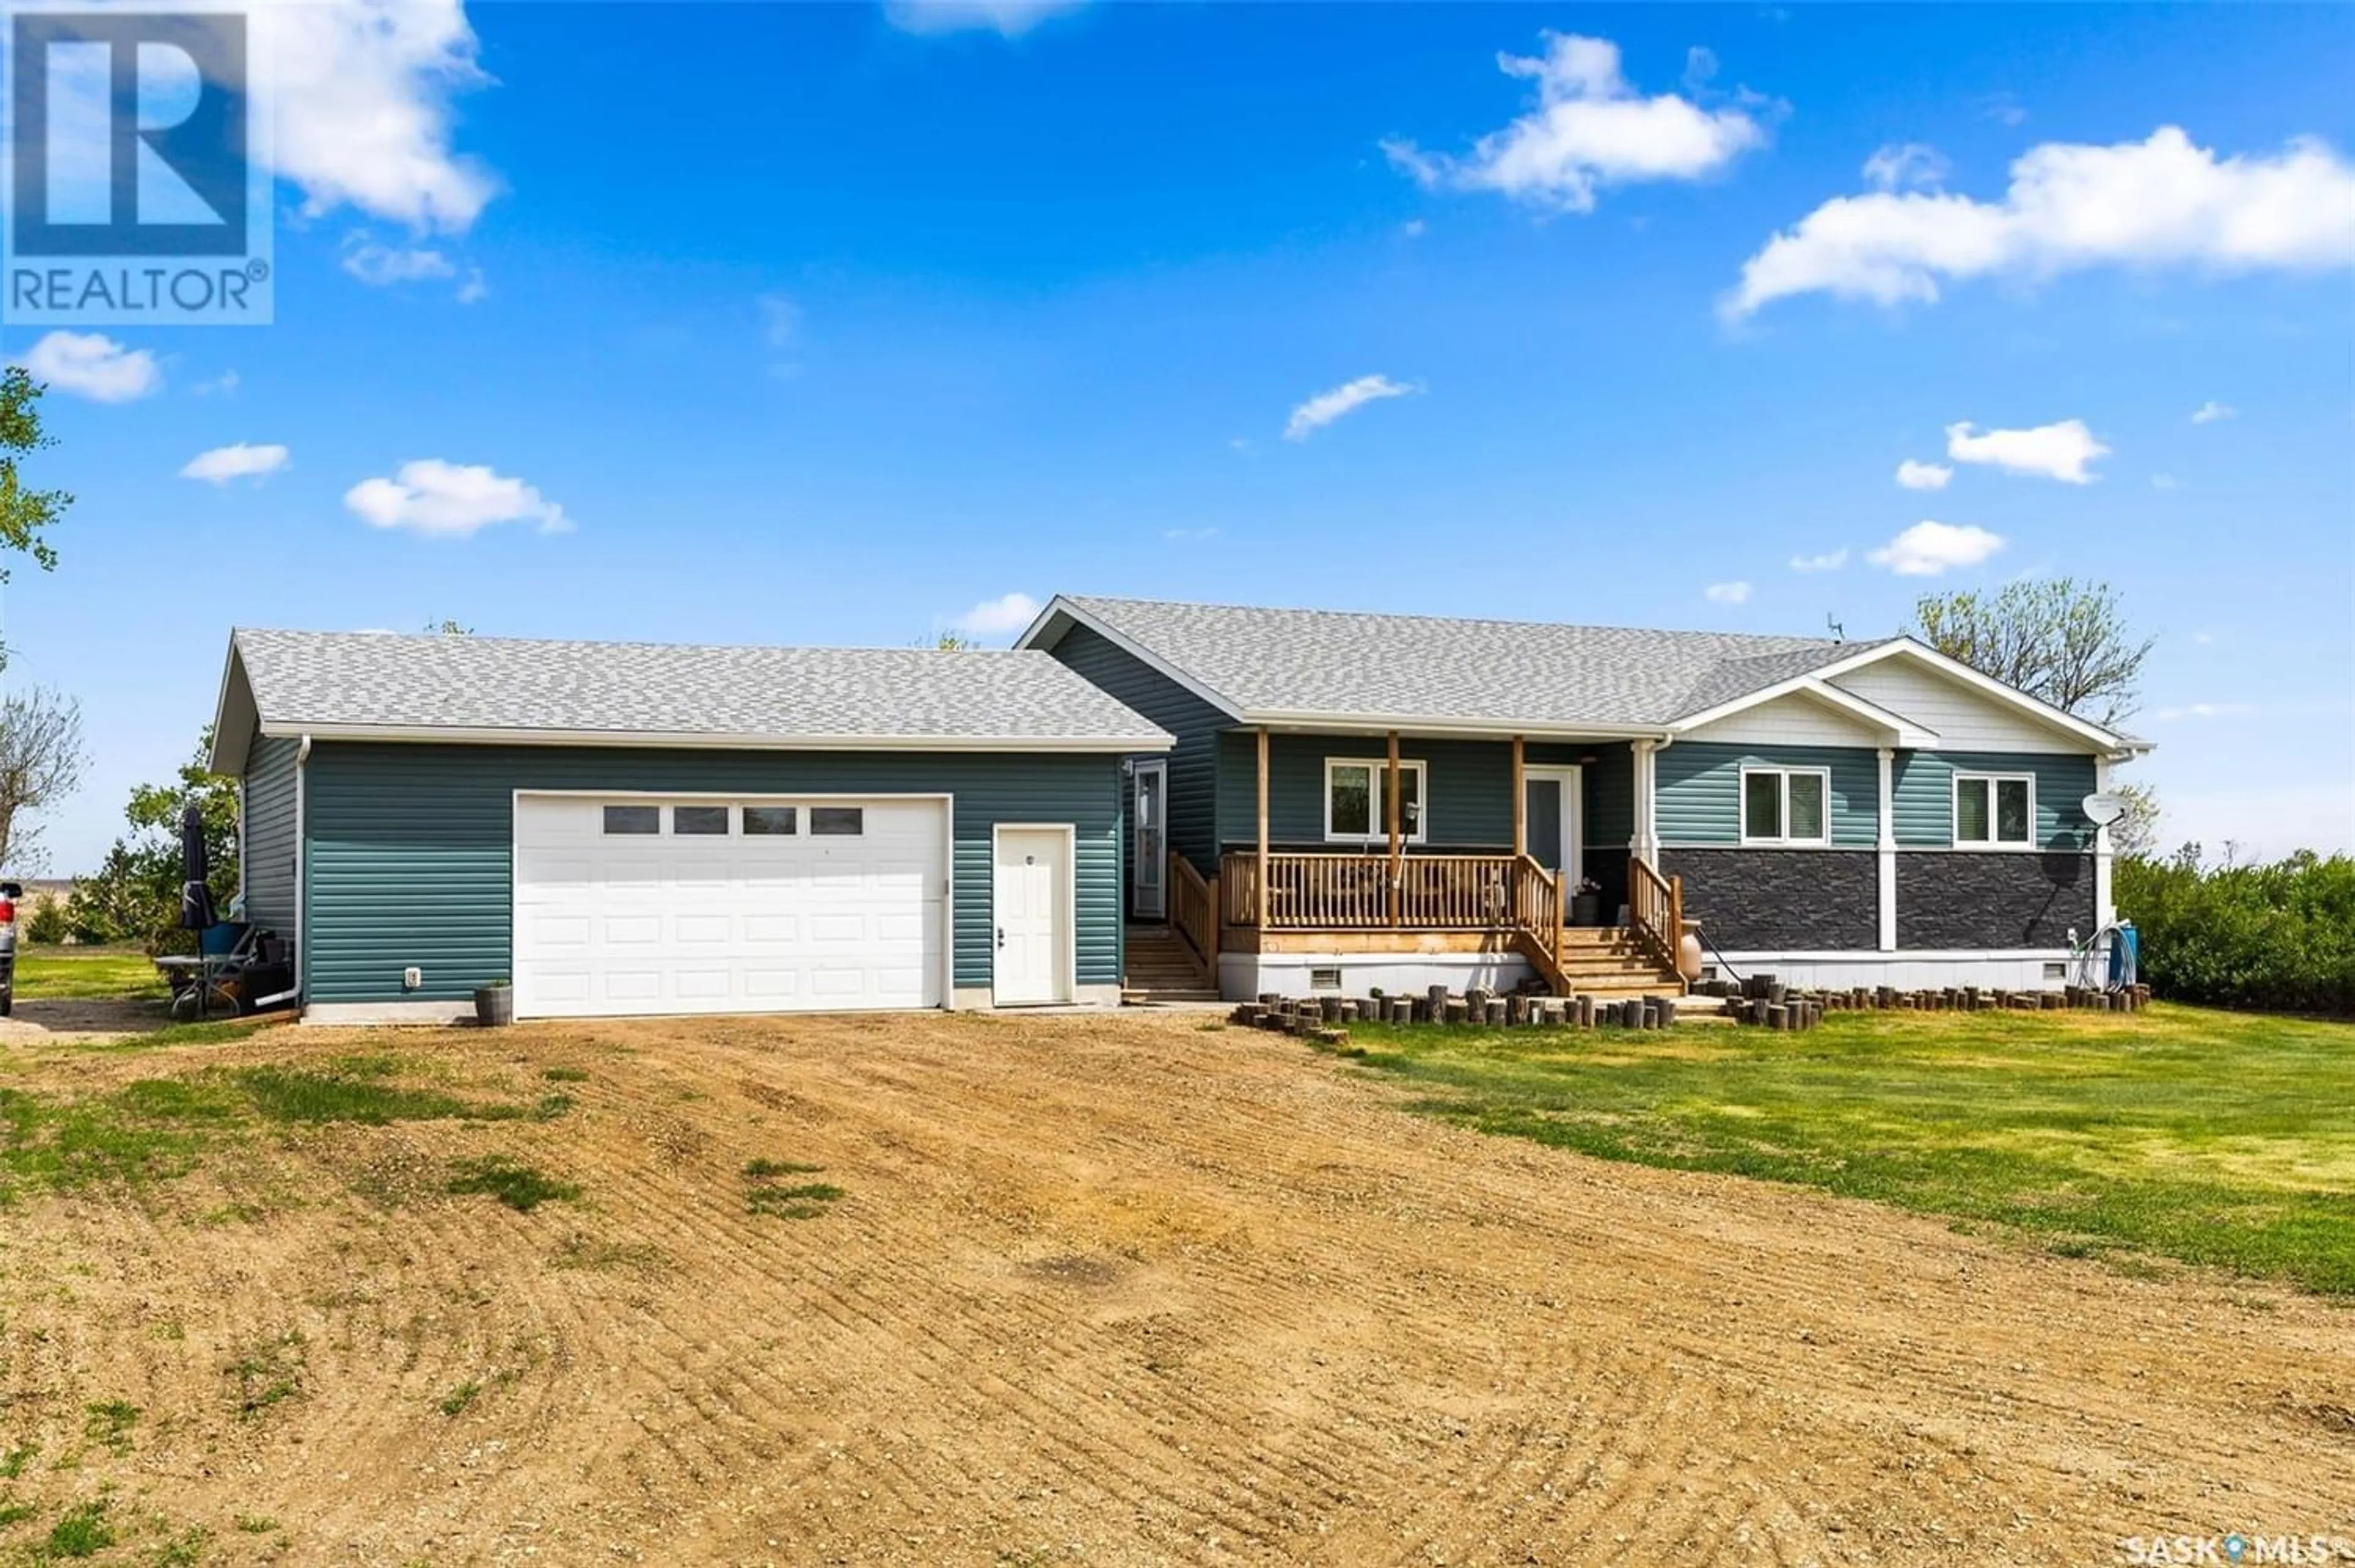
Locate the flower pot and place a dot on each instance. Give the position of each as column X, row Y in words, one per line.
column 1587, row 909
column 493, row 1006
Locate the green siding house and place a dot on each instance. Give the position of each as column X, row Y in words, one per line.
column 1256, row 799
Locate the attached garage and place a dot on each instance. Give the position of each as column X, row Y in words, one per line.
column 625, row 829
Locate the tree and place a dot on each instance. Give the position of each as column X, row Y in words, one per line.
column 40, row 762
column 447, row 628
column 26, row 514
column 2062, row 640
column 135, row 893
column 946, row 642
column 2135, row 835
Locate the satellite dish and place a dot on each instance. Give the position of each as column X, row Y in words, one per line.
column 2106, row 807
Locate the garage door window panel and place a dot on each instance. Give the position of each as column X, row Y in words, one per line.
column 838, row 821
column 699, row 821
column 632, row 821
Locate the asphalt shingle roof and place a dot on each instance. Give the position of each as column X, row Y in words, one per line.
column 788, row 695
column 1371, row 667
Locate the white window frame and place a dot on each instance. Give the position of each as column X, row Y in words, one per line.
column 1783, row 809
column 1991, row 842
column 1381, row 806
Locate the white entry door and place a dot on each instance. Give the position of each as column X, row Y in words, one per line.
column 659, row 904
column 1557, row 834
column 1031, row 924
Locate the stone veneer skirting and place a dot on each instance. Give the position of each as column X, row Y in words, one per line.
column 1948, row 898
column 1781, row 899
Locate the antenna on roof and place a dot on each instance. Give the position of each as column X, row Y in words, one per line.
column 1838, row 632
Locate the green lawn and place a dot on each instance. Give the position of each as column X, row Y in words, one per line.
column 2214, row 1138
column 84, row 974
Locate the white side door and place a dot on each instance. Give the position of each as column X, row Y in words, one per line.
column 1031, row 937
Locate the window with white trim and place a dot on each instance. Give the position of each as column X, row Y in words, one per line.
column 1786, row 806
column 1357, row 802
column 1995, row 811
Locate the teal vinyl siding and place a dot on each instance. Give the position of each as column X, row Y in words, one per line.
column 1194, row 723
column 1925, row 794
column 1699, row 791
column 267, row 849
column 1470, row 783
column 410, row 847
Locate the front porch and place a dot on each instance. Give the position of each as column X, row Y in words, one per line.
column 1388, row 901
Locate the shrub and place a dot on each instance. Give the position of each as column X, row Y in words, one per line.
column 47, row 924
column 2279, row 937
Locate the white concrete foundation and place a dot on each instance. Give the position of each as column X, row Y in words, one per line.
column 2013, row 971
column 1244, row 976
column 347, row 1013
column 981, row 998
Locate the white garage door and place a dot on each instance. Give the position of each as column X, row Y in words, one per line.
column 698, row 905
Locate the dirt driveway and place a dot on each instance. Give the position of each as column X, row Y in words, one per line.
column 1104, row 1291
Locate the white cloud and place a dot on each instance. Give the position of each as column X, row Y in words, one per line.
column 361, row 97
column 451, row 499
column 92, row 365
column 1928, row 548
column 2059, row 451
column 781, row 319
column 476, row 289
column 379, row 265
column 1189, row 536
column 2203, row 638
column 2211, row 411
column 1924, row 476
column 1588, row 129
column 2205, row 710
column 223, row 463
column 998, row 617
column 224, row 384
column 2162, row 481
column 1902, row 166
column 1413, row 229
column 1006, row 18
column 1727, row 594
column 2160, row 202
column 1326, row 407
column 1830, row 560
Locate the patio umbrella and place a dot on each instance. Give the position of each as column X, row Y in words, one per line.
column 195, row 891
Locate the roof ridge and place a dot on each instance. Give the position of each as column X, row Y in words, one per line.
column 478, row 640
column 1792, row 641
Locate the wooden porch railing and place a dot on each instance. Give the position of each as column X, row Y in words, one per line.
column 1656, row 909
column 1194, row 910
column 1508, row 894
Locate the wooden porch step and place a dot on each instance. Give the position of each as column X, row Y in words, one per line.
column 1161, row 971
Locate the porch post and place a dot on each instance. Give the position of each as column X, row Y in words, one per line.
column 1521, row 799
column 1888, row 848
column 1390, row 799
column 1265, row 882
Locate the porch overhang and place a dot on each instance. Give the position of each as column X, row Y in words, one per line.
column 1447, row 727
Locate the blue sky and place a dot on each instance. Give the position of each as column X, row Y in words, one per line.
column 830, row 323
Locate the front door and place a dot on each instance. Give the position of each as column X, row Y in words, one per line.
column 1031, row 906
column 1557, row 838
column 1148, row 867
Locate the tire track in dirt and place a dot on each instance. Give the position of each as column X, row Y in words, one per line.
column 1125, row 1290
